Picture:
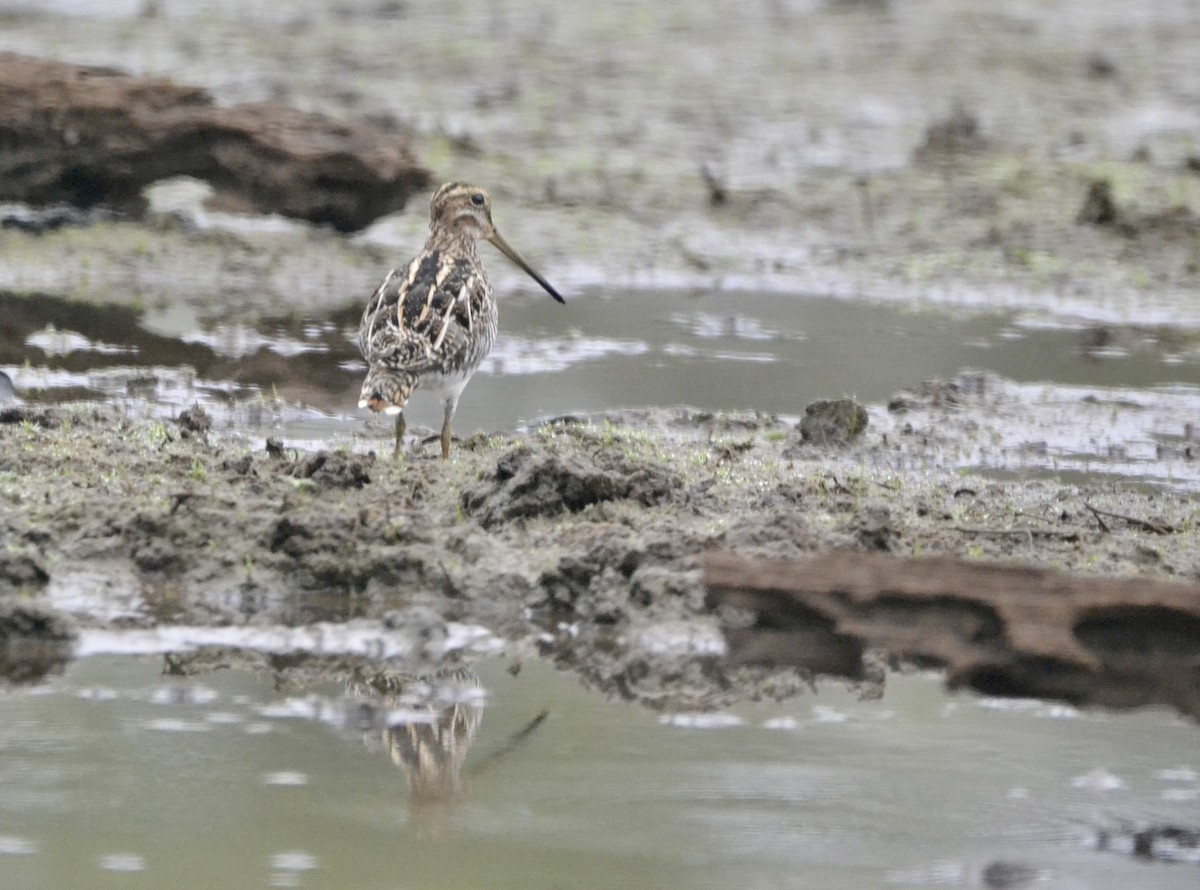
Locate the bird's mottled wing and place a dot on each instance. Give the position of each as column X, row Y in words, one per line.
column 421, row 317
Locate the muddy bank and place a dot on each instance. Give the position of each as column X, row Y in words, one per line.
column 581, row 542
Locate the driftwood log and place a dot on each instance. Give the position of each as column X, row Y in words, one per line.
column 92, row 136
column 999, row 629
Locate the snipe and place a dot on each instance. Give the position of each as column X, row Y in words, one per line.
column 433, row 322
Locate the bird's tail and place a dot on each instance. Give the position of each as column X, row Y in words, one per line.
column 386, row 389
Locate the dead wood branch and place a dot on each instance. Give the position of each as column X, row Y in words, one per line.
column 95, row 136
column 999, row 629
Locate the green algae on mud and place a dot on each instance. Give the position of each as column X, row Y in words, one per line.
column 581, row 540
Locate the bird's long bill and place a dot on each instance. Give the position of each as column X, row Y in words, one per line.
column 503, row 246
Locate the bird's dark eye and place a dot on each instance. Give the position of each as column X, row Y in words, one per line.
column 477, row 199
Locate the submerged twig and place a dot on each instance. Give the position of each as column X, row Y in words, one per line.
column 1068, row 535
column 1149, row 525
column 1099, row 519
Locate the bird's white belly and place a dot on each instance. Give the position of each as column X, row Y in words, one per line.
column 445, row 387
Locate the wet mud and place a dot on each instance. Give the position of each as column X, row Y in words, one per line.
column 581, row 542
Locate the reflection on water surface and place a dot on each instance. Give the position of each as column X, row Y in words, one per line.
column 256, row 778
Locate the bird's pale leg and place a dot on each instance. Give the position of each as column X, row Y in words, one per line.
column 401, row 426
column 448, row 406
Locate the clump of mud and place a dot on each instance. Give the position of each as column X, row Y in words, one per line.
column 954, row 136
column 333, row 470
column 528, row 483
column 1158, row 843
column 34, row 641
column 194, row 421
column 1177, row 222
column 21, row 572
column 836, row 421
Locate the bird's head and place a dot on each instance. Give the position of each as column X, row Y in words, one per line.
column 465, row 211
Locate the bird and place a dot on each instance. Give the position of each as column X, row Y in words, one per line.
column 432, row 323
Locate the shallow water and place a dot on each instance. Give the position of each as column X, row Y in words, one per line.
column 298, row 378
column 115, row 775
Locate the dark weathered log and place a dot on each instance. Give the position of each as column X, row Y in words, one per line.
column 999, row 629
column 94, row 136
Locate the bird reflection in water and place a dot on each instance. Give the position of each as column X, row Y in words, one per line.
column 427, row 726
